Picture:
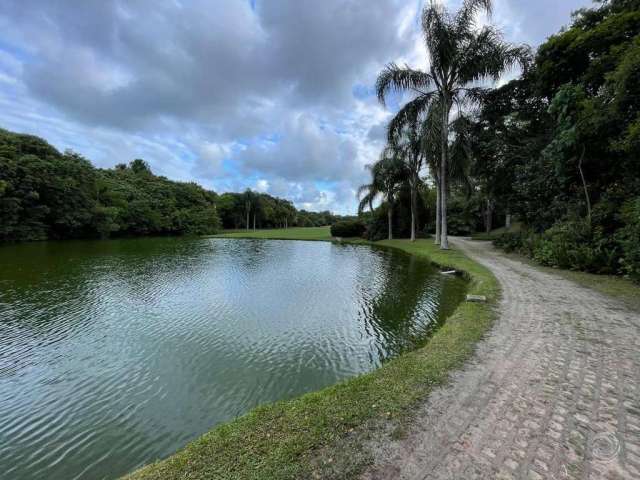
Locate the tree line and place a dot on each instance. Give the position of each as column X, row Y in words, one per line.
column 45, row 194
column 252, row 210
column 557, row 148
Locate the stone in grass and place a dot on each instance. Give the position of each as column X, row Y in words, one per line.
column 448, row 272
column 476, row 298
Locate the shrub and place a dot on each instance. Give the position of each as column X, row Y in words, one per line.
column 629, row 238
column 576, row 246
column 510, row 242
column 348, row 228
column 571, row 244
column 377, row 225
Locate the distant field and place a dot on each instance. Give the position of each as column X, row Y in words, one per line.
column 296, row 233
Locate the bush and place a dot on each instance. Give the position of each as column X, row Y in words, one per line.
column 571, row 244
column 629, row 239
column 348, row 228
column 576, row 246
column 510, row 242
column 377, row 226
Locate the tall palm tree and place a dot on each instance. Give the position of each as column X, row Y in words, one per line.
column 431, row 148
column 408, row 138
column 459, row 156
column 461, row 54
column 248, row 200
column 387, row 176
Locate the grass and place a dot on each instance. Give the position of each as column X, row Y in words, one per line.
column 297, row 233
column 324, row 434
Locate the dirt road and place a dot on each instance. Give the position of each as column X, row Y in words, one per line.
column 553, row 392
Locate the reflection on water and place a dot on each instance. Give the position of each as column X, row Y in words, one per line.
column 117, row 353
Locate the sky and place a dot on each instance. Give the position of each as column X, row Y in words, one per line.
column 272, row 95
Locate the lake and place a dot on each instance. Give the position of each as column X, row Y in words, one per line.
column 116, row 353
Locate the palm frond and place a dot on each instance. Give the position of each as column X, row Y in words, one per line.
column 409, row 115
column 395, row 78
column 439, row 39
column 369, row 192
column 465, row 18
column 431, row 142
column 487, row 56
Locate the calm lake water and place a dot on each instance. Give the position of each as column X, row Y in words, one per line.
column 117, row 353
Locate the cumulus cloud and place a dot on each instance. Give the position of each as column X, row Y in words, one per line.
column 274, row 95
column 305, row 150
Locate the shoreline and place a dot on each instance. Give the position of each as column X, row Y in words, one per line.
column 324, row 434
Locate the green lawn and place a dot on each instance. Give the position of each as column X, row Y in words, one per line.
column 296, row 233
column 324, row 434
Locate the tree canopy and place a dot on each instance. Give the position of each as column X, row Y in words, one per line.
column 45, row 194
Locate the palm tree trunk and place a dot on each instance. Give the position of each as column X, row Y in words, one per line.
column 254, row 221
column 489, row 216
column 444, row 241
column 438, row 210
column 390, row 220
column 414, row 187
column 247, row 224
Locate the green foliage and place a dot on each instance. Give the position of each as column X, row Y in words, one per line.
column 629, row 238
column 348, row 228
column 377, row 221
column 570, row 124
column 269, row 212
column 574, row 245
column 460, row 55
column 48, row 195
column 45, row 194
column 511, row 242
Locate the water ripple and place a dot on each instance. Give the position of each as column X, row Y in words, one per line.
column 114, row 354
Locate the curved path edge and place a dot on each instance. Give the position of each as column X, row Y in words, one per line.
column 552, row 392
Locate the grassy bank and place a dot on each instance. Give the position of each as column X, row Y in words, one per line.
column 297, row 233
column 323, row 434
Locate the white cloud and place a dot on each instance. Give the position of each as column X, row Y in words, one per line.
column 217, row 92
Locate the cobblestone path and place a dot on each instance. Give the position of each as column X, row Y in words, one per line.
column 553, row 392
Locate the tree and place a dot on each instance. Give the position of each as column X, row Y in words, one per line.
column 566, row 147
column 387, row 177
column 248, row 204
column 460, row 55
column 46, row 194
column 408, row 140
column 139, row 166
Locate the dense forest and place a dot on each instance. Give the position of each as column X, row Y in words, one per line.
column 560, row 146
column 557, row 149
column 45, row 194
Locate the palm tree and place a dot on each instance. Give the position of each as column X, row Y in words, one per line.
column 460, row 55
column 387, row 177
column 248, row 199
column 408, row 138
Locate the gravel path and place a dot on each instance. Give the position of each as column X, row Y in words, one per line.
column 553, row 392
